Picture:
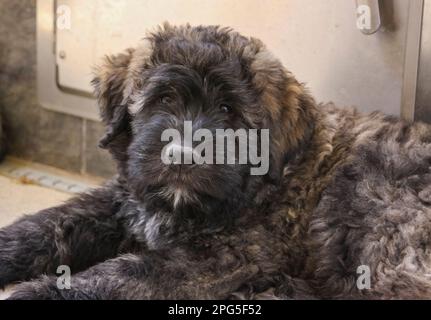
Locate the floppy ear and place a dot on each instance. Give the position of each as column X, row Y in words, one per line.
column 290, row 109
column 112, row 91
column 294, row 126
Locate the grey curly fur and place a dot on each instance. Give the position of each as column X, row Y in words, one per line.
column 343, row 190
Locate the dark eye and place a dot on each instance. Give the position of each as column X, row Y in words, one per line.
column 166, row 100
column 225, row 108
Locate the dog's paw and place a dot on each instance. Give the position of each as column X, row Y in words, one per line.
column 46, row 288
column 43, row 288
column 24, row 294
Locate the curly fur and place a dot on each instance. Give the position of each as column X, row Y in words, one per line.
column 343, row 190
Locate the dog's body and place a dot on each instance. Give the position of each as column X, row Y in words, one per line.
column 343, row 190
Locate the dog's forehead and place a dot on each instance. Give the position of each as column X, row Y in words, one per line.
column 201, row 62
column 196, row 47
column 211, row 60
column 196, row 55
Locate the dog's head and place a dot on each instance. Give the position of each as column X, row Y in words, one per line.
column 216, row 79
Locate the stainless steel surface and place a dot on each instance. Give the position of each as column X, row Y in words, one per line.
column 411, row 60
column 51, row 96
column 317, row 40
column 369, row 18
column 423, row 97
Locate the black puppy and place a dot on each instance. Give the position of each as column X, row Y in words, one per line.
column 216, row 231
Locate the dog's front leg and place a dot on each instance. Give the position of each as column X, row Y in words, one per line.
column 145, row 276
column 119, row 278
column 78, row 234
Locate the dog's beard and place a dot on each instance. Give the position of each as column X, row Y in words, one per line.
column 162, row 219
